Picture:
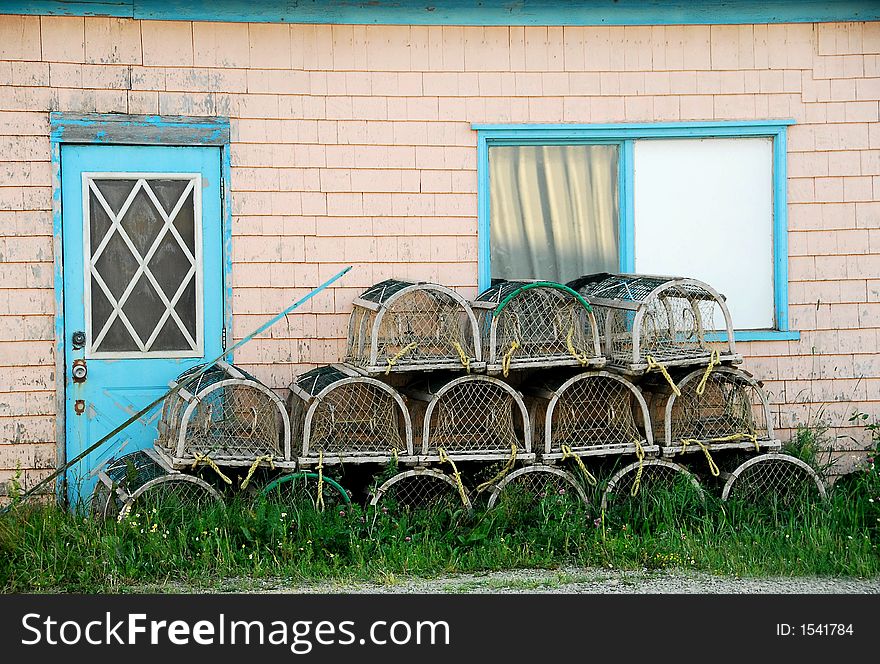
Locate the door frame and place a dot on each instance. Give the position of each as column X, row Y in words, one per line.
column 123, row 129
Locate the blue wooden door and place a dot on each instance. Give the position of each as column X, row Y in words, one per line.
column 143, row 287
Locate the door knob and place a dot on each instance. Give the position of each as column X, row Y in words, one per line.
column 79, row 371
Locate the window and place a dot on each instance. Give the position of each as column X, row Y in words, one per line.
column 703, row 200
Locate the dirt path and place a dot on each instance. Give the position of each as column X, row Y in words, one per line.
column 568, row 580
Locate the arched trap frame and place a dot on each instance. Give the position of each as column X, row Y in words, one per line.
column 341, row 416
column 591, row 414
column 537, row 483
column 532, row 324
column 305, row 490
column 143, row 483
column 472, row 418
column 225, row 417
column 719, row 409
column 651, row 322
column 404, row 326
column 421, row 488
column 651, row 475
column 780, row 480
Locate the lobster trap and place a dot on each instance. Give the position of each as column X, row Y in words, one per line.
column 304, row 490
column 529, row 485
column 532, row 324
column 472, row 418
column 720, row 409
column 404, row 326
column 341, row 416
column 590, row 414
column 774, row 480
column 225, row 417
column 649, row 322
column 420, row 488
column 142, row 484
column 638, row 485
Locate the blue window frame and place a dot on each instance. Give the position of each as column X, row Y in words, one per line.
column 625, row 135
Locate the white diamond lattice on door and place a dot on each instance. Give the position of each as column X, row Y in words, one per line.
column 143, row 261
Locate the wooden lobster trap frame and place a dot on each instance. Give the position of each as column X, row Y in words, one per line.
column 647, row 476
column 226, row 417
column 538, row 482
column 719, row 409
column 778, row 478
column 145, row 478
column 590, row 414
column 533, row 324
column 421, row 488
column 403, row 326
column 472, row 418
column 341, row 416
column 651, row 322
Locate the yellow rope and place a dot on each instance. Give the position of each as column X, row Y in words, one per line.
column 714, row 361
column 640, row 455
column 255, row 465
column 394, row 454
column 208, row 461
column 501, row 473
column 465, row 360
column 583, row 359
column 505, row 361
column 319, row 500
column 403, row 351
column 713, row 467
column 568, row 454
column 444, row 458
column 654, row 364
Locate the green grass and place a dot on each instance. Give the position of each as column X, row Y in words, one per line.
column 43, row 548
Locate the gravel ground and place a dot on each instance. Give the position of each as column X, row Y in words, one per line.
column 568, row 580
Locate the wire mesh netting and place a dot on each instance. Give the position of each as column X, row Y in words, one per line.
column 415, row 326
column 731, row 408
column 476, row 414
column 128, row 472
column 775, row 481
column 231, row 416
column 665, row 319
column 305, row 491
column 541, row 486
column 593, row 411
column 644, row 488
column 420, row 489
column 351, row 416
column 170, row 499
column 535, row 324
column 137, row 484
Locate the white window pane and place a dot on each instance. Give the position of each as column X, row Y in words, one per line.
column 553, row 211
column 704, row 209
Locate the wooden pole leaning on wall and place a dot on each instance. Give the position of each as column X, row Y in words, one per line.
column 182, row 385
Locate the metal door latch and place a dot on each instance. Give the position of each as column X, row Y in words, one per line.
column 79, row 371
column 78, row 341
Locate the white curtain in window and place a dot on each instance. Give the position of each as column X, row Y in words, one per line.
column 554, row 211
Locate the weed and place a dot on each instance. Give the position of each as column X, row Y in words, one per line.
column 44, row 548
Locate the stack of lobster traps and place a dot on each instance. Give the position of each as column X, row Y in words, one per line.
column 215, row 420
column 605, row 391
column 675, row 337
column 459, row 366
